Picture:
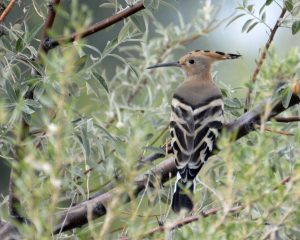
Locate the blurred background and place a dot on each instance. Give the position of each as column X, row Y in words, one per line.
column 227, row 39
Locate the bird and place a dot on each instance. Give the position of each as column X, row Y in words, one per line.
column 197, row 117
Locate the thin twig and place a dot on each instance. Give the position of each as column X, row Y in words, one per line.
column 262, row 58
column 287, row 119
column 207, row 213
column 275, row 131
column 190, row 219
column 7, row 10
column 163, row 172
column 50, row 44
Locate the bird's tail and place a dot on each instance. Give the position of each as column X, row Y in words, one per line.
column 181, row 200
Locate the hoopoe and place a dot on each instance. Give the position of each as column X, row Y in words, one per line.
column 196, row 120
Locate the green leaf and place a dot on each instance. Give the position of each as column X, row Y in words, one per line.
column 79, row 64
column 289, row 5
column 286, row 95
column 125, row 62
column 261, row 9
column 10, row 92
column 107, row 5
column 268, row 2
column 124, row 32
column 101, row 80
column 136, row 23
column 296, row 10
column 252, row 26
column 263, row 17
column 85, row 142
column 32, row 103
column 295, row 27
column 111, row 45
column 19, row 45
column 250, row 8
column 235, row 18
column 246, row 24
column 245, row 2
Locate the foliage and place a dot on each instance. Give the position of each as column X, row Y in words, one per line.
column 90, row 123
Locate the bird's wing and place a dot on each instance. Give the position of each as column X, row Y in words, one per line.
column 194, row 130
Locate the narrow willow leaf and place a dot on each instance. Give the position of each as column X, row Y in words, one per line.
column 19, row 44
column 101, row 80
column 124, row 32
column 295, row 27
column 263, row 17
column 85, row 142
column 252, row 26
column 106, row 132
column 234, row 18
column 136, row 23
column 268, row 2
column 250, row 7
column 246, row 24
column 289, row 5
column 125, row 62
column 296, row 10
column 10, row 92
column 79, row 64
column 107, row 5
column 286, row 96
column 261, row 9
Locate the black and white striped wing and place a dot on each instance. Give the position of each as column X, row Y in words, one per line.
column 194, row 131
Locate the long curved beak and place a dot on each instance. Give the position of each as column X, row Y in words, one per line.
column 171, row 64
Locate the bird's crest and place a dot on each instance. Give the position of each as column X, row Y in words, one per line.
column 215, row 55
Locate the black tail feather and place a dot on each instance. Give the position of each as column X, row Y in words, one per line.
column 180, row 198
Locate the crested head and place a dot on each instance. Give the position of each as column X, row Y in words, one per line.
column 198, row 62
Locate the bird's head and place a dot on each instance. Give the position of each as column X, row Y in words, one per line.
column 198, row 61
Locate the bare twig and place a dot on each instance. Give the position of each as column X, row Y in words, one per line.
column 275, row 131
column 262, row 58
column 7, row 10
column 207, row 213
column 78, row 215
column 287, row 119
column 96, row 27
column 190, row 219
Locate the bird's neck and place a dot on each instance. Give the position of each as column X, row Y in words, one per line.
column 199, row 77
column 202, row 75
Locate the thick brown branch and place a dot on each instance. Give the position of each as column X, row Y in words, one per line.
column 78, row 215
column 262, row 58
column 7, row 10
column 97, row 26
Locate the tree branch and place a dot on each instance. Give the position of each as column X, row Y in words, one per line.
column 287, row 119
column 262, row 58
column 7, row 10
column 77, row 216
column 205, row 214
column 50, row 44
column 14, row 203
column 48, row 25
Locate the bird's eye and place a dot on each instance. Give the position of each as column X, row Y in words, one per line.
column 192, row 61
